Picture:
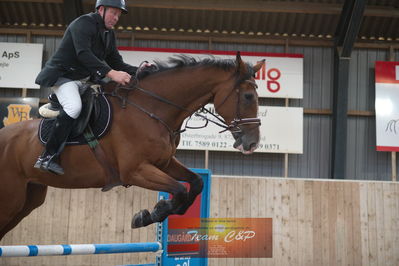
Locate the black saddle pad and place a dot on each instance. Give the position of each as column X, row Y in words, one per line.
column 99, row 126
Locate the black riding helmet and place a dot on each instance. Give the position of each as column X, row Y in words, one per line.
column 112, row 3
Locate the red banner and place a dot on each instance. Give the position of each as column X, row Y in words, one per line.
column 386, row 72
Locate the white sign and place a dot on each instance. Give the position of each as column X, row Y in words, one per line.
column 19, row 64
column 387, row 105
column 281, row 132
column 280, row 77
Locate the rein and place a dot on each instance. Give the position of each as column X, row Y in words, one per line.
column 234, row 126
column 125, row 101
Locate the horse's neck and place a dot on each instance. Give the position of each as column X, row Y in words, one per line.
column 183, row 81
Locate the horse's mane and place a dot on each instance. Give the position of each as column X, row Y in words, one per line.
column 181, row 61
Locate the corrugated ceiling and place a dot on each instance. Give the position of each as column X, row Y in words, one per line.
column 315, row 19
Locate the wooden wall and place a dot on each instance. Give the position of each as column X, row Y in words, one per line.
column 315, row 222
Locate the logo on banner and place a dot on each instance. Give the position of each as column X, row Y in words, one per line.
column 10, row 55
column 17, row 113
column 273, row 75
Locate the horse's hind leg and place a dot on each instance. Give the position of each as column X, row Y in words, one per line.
column 150, row 177
column 34, row 196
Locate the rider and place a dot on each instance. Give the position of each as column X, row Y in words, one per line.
column 87, row 50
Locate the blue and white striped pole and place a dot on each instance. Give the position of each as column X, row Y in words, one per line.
column 78, row 249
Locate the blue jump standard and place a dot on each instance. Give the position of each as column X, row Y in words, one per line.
column 78, row 249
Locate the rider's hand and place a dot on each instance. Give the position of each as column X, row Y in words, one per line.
column 120, row 77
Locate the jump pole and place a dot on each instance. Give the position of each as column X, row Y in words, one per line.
column 78, row 249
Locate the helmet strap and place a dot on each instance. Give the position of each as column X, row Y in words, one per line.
column 105, row 10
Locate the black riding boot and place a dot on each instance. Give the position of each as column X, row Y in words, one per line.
column 48, row 161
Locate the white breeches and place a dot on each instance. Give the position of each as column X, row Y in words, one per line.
column 68, row 95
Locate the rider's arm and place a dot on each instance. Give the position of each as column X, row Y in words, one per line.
column 114, row 59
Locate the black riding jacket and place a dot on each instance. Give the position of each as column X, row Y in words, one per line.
column 87, row 49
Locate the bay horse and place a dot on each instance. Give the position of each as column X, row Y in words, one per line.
column 142, row 141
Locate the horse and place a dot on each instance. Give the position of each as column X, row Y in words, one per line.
column 141, row 143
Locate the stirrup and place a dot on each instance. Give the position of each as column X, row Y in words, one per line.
column 48, row 164
column 38, row 164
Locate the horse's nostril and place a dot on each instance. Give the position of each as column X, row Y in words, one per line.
column 253, row 145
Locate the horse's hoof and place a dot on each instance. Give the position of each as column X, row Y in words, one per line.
column 140, row 219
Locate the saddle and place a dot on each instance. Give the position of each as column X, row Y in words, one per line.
column 96, row 113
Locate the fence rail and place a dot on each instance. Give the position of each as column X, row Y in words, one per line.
column 78, row 249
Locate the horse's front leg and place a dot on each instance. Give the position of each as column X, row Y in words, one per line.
column 181, row 173
column 150, row 177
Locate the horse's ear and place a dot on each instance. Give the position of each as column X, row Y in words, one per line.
column 259, row 65
column 241, row 67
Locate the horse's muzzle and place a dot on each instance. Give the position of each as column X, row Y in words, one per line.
column 246, row 141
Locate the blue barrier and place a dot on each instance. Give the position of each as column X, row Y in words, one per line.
column 78, row 249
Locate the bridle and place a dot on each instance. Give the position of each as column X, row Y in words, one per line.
column 235, row 124
column 233, row 127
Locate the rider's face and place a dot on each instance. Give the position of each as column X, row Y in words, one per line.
column 111, row 16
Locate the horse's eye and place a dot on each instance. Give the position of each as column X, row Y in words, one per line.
column 249, row 96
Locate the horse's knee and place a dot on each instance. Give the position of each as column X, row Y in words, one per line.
column 179, row 190
column 198, row 183
column 180, row 195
